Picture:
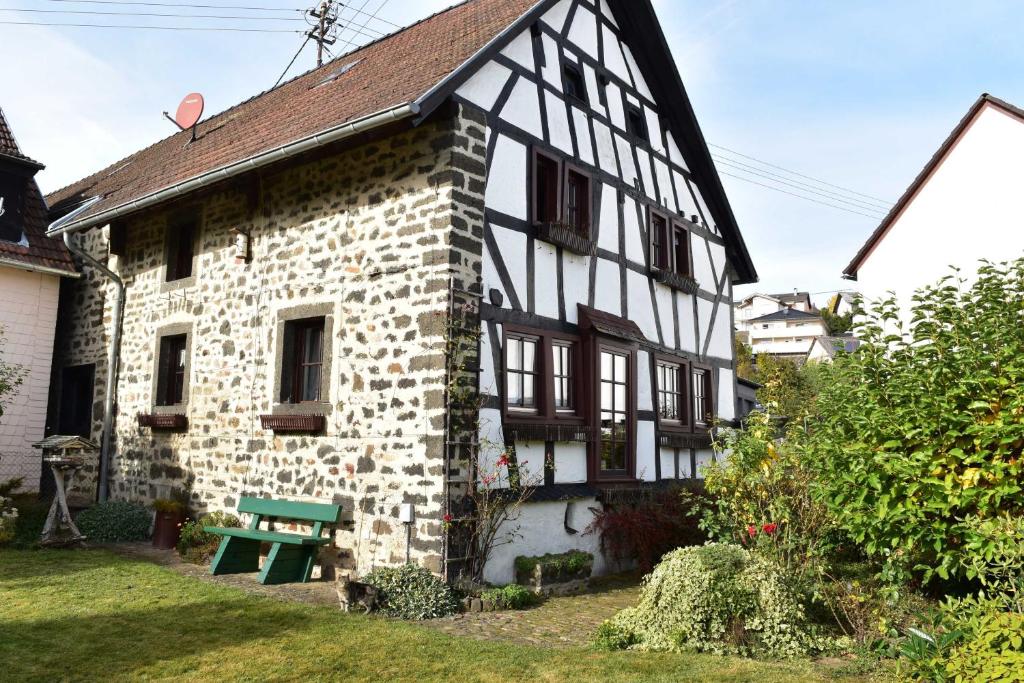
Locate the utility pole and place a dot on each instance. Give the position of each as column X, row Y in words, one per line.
column 326, row 19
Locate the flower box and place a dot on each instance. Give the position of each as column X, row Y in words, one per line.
column 163, row 422
column 562, row 235
column 307, row 424
column 683, row 283
column 555, row 574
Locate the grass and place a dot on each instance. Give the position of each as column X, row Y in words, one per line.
column 91, row 615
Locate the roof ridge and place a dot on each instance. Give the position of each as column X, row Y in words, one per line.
column 224, row 112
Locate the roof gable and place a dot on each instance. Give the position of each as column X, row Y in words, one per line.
column 787, row 314
column 925, row 175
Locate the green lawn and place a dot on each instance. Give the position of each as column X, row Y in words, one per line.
column 90, row 615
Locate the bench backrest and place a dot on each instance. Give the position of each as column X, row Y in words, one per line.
column 287, row 509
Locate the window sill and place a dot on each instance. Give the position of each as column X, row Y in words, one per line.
column 683, row 283
column 164, row 421
column 564, row 431
column 306, row 424
column 311, row 408
column 676, row 439
column 561, row 235
column 175, row 285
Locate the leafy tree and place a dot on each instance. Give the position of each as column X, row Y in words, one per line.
column 744, row 359
column 11, row 376
column 787, row 389
column 837, row 324
column 920, row 434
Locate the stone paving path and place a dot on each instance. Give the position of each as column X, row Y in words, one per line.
column 558, row 622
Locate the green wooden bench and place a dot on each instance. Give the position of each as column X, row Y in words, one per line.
column 291, row 557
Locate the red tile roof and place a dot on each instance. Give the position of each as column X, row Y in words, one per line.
column 395, row 70
column 42, row 251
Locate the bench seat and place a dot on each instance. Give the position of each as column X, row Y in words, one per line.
column 268, row 536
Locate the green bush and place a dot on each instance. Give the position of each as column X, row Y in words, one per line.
column 717, row 598
column 919, row 434
column 611, row 636
column 198, row 546
column 512, row 596
column 994, row 651
column 8, row 520
column 411, row 592
column 115, row 521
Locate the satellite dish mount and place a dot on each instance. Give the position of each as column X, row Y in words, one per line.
column 189, row 112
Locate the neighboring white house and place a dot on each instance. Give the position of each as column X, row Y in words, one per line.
column 31, row 266
column 824, row 349
column 787, row 333
column 965, row 205
column 757, row 305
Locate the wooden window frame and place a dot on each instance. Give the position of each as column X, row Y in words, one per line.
column 538, row 373
column 296, row 329
column 577, row 73
column 544, row 387
column 665, row 242
column 676, row 227
column 643, row 133
column 594, row 472
column 167, row 379
column 709, row 398
column 536, row 155
column 173, row 260
column 587, row 204
column 686, row 393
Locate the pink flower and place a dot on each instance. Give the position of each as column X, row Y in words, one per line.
column 489, row 479
column 770, row 528
column 503, row 460
column 752, row 530
column 448, row 519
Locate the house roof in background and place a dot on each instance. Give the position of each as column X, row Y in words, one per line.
column 985, row 100
column 786, row 314
column 833, row 345
column 36, row 251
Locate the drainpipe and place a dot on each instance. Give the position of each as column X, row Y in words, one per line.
column 113, row 353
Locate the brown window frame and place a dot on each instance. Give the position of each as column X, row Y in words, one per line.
column 684, row 423
column 709, row 397
column 638, row 128
column 545, row 410
column 584, row 228
column 571, row 73
column 182, row 231
column 687, row 267
column 535, row 194
column 595, row 472
column 171, row 383
column 293, row 391
column 536, row 373
column 660, row 238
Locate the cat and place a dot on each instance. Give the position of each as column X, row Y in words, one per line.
column 354, row 596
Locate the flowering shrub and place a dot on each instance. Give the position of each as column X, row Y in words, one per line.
column 8, row 520
column 717, row 598
column 115, row 521
column 411, row 592
column 198, row 546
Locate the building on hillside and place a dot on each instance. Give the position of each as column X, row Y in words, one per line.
column 757, row 305
column 496, row 232
column 825, row 348
column 32, row 266
column 786, row 333
column 973, row 180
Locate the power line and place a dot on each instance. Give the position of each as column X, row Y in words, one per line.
column 157, row 28
column 149, row 14
column 301, row 47
column 180, row 5
column 809, row 199
column 868, row 204
column 807, row 177
column 804, row 188
column 350, row 41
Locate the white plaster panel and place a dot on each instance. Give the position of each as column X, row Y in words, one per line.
column 539, row 529
column 663, row 297
column 607, row 12
column 654, row 126
column 684, row 303
column 635, row 245
column 545, row 264
column 668, row 198
column 613, row 56
column 638, row 78
column 644, row 159
column 576, row 275
column 646, row 451
column 593, row 89
column 704, row 457
column 726, row 395
column 674, row 153
column 701, row 263
column 605, row 150
column 485, row 85
column 584, row 143
column 492, row 439
column 703, row 206
column 488, row 373
column 722, row 334
column 523, row 108
column 629, row 171
column 615, row 110
column 558, row 123
column 644, row 391
column 570, row 463
column 641, row 309
column 491, row 280
column 530, row 459
column 507, row 179
column 704, row 309
column 520, row 50
column 552, row 69
column 608, row 236
column 685, row 465
column 668, row 463
column 556, row 16
column 583, row 33
column 607, row 290
column 512, row 246
column 717, row 258
column 687, row 206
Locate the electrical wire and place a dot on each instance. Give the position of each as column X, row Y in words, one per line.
column 793, row 194
column 148, row 14
column 157, row 28
column 180, row 5
column 301, row 48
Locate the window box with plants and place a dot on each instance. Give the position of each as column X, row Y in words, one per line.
column 555, row 574
column 170, row 422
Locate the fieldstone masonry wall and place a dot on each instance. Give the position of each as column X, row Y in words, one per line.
column 373, row 233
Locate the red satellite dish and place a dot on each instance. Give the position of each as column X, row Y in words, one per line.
column 189, row 111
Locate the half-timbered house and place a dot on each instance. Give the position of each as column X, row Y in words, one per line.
column 496, row 232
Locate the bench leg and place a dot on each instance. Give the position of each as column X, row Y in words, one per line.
column 236, row 556
column 288, row 564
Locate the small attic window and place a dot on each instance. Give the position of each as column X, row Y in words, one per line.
column 12, row 207
column 636, row 124
column 335, row 75
column 575, row 87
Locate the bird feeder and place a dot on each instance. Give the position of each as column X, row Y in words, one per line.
column 65, row 455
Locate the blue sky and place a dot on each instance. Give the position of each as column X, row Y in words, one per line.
column 855, row 94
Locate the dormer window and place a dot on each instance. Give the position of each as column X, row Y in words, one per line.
column 636, row 124
column 575, row 86
column 12, row 202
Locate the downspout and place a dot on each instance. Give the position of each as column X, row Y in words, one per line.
column 113, row 353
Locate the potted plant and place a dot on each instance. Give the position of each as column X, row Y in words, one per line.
column 170, row 515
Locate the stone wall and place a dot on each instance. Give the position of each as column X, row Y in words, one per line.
column 373, row 235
